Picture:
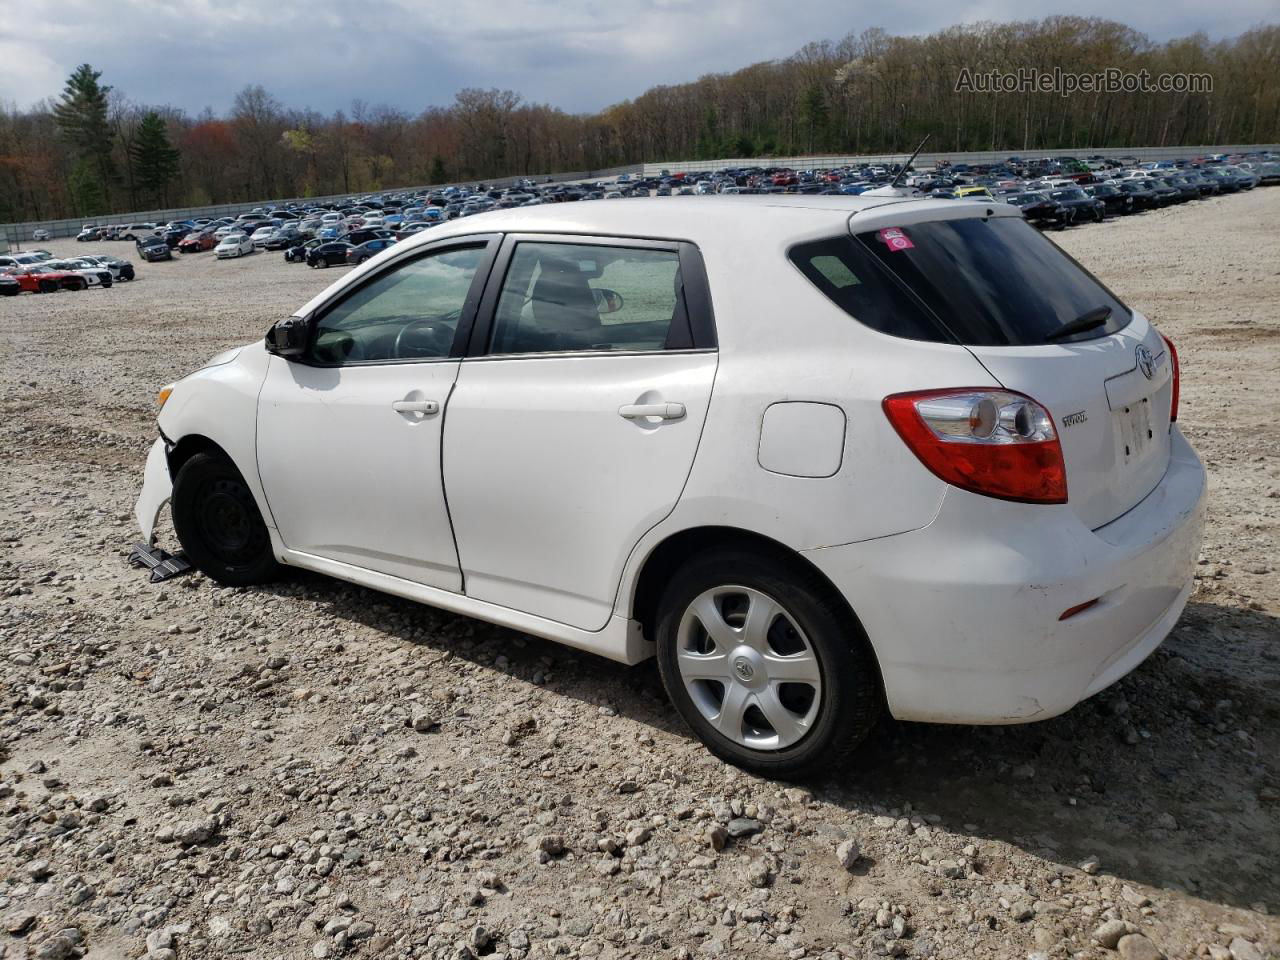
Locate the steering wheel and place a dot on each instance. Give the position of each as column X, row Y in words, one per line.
column 439, row 338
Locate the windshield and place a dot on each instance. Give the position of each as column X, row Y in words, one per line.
column 1074, row 194
column 980, row 281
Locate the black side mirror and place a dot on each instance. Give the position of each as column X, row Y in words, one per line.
column 288, row 337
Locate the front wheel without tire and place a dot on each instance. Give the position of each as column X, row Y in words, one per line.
column 766, row 664
column 218, row 522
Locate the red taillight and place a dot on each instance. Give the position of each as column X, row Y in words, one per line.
column 994, row 442
column 1177, row 378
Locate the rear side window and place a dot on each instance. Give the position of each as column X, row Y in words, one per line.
column 852, row 279
column 992, row 281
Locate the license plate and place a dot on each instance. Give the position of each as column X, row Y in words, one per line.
column 1136, row 434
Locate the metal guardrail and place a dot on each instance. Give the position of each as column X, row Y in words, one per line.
column 930, row 159
column 17, row 234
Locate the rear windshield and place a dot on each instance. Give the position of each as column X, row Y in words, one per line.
column 992, row 281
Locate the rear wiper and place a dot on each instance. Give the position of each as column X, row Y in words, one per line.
column 1086, row 321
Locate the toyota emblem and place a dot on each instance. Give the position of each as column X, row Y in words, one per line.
column 1146, row 362
column 742, row 667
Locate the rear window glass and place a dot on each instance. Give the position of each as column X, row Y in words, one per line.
column 854, row 281
column 979, row 281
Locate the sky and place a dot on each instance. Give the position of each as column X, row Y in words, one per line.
column 580, row 55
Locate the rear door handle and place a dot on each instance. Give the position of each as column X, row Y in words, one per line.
column 416, row 406
column 662, row 411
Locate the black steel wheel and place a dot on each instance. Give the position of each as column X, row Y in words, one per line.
column 218, row 522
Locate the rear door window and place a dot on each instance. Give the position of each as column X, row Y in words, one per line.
column 560, row 297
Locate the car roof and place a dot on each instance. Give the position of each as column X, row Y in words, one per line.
column 721, row 227
column 698, row 219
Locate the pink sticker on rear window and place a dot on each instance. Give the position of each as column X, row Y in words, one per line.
column 895, row 239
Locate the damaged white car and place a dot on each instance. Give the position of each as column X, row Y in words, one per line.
column 822, row 456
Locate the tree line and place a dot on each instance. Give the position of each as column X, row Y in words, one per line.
column 92, row 150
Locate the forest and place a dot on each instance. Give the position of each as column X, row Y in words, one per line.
column 90, row 149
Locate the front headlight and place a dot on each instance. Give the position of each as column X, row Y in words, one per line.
column 163, row 396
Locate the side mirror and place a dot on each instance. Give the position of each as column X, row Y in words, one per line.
column 288, row 337
column 607, row 301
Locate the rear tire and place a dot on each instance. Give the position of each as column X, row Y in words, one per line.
column 782, row 682
column 218, row 522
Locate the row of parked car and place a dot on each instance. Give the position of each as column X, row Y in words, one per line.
column 1069, row 196
column 1051, row 192
column 1057, row 192
column 39, row 271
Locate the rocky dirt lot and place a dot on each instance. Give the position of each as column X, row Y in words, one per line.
column 315, row 770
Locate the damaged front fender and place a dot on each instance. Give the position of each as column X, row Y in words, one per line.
column 157, row 488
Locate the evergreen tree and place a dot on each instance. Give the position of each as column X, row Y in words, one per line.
column 154, row 158
column 81, row 115
column 438, row 173
column 85, row 187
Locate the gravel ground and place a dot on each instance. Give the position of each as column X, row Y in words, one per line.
column 316, row 770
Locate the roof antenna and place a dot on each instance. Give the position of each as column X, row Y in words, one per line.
column 893, row 189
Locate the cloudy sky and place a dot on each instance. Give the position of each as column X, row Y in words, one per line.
column 576, row 54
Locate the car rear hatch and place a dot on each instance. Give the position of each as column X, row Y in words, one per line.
column 1112, row 419
column 1045, row 327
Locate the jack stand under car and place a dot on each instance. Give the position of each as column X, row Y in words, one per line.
column 163, row 566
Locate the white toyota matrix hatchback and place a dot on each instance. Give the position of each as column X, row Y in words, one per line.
column 821, row 456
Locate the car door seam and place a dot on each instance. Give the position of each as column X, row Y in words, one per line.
column 257, row 455
column 444, row 486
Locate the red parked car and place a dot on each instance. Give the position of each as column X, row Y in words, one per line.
column 196, row 242
column 785, row 178
column 34, row 278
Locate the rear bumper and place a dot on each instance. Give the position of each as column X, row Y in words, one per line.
column 964, row 613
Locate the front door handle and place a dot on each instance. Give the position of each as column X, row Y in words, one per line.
column 661, row 411
column 416, row 406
